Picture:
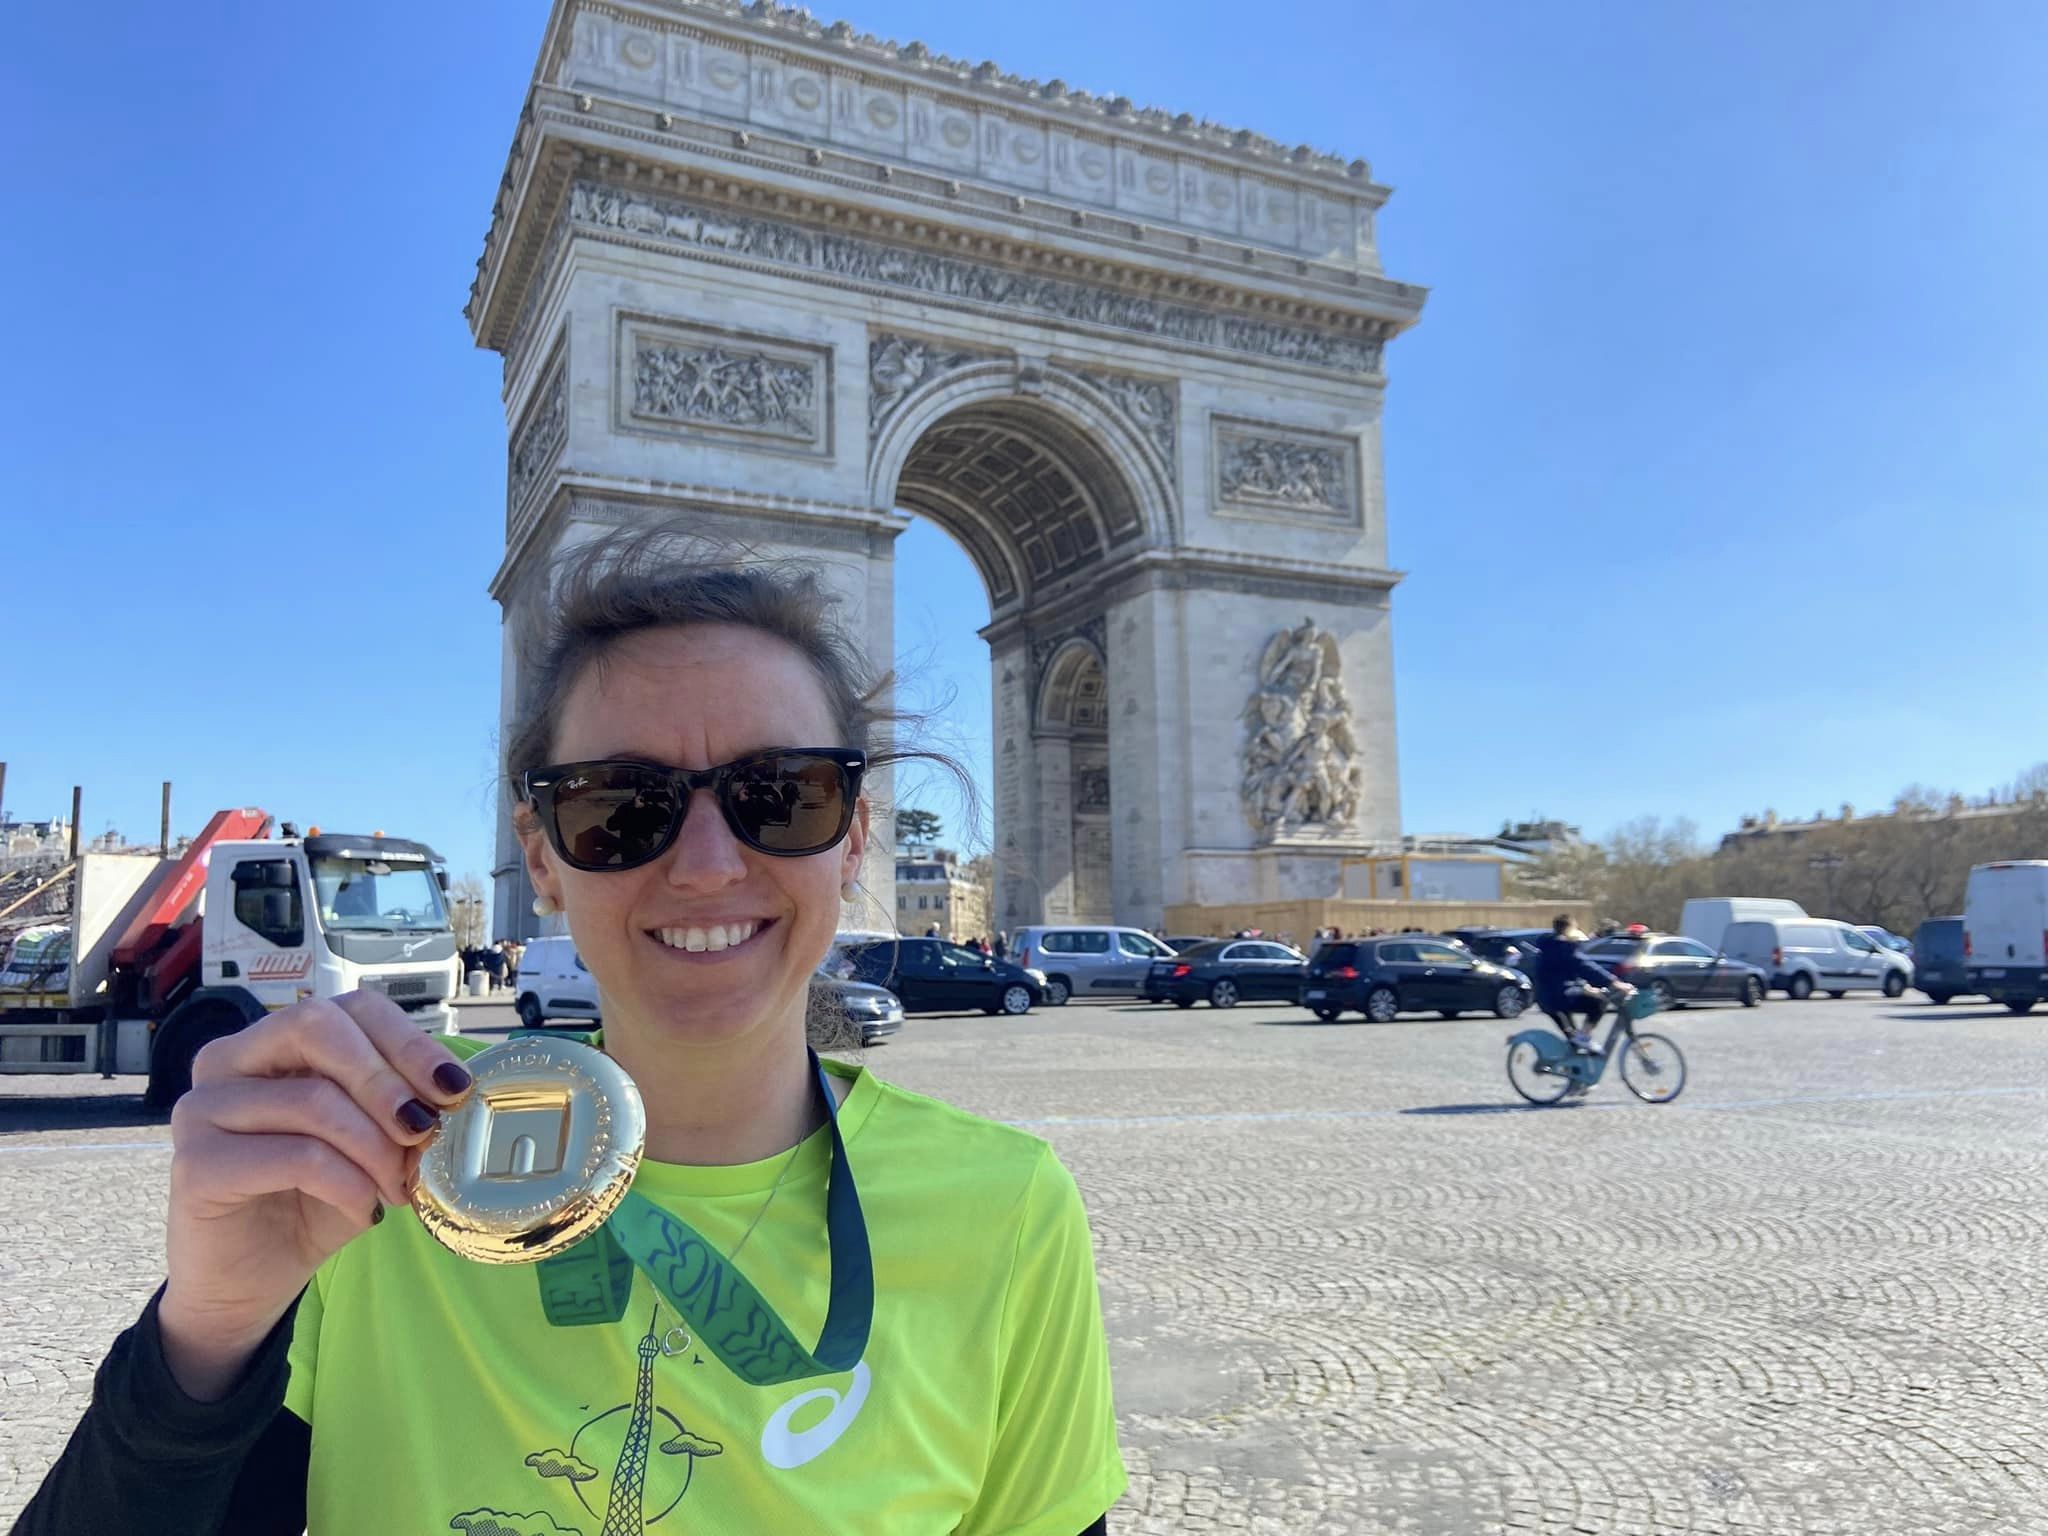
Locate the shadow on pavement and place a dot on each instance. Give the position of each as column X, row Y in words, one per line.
column 81, row 1112
column 1484, row 1109
column 1931, row 1011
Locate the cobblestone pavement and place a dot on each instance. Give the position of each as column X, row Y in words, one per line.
column 1352, row 1287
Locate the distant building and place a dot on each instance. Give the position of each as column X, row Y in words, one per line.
column 932, row 886
column 1769, row 827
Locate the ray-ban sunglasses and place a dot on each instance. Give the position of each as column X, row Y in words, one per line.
column 786, row 801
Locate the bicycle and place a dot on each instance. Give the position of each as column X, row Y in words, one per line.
column 1544, row 1067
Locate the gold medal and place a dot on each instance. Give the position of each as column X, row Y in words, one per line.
column 536, row 1158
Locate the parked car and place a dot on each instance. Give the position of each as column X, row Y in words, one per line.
column 1179, row 942
column 931, row 975
column 1088, row 959
column 1677, row 970
column 1514, row 948
column 1228, row 972
column 1938, row 968
column 1706, row 918
column 875, row 1011
column 554, row 983
column 1886, row 938
column 1410, row 973
column 1805, row 955
column 2005, row 932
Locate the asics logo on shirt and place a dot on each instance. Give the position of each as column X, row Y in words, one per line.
column 788, row 1448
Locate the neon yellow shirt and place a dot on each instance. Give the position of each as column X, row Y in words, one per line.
column 441, row 1399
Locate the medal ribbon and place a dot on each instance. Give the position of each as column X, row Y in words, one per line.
column 591, row 1282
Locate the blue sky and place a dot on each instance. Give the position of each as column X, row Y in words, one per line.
column 1717, row 462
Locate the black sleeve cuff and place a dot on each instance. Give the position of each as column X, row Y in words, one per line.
column 153, row 1419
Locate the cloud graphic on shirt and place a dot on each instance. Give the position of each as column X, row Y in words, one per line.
column 493, row 1522
column 554, row 1463
column 687, row 1444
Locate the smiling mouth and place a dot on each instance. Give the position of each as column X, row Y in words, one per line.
column 710, row 939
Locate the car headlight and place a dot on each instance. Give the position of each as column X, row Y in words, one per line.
column 1036, row 975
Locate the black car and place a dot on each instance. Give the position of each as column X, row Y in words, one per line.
column 932, row 976
column 1511, row 947
column 1410, row 973
column 1677, row 970
column 1938, row 968
column 1228, row 972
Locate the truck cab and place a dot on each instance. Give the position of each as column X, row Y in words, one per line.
column 326, row 914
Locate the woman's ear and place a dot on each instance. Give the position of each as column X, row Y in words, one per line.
column 539, row 857
column 856, row 841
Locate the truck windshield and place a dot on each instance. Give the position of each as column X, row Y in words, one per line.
column 377, row 896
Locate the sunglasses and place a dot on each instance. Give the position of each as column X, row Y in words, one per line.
column 787, row 801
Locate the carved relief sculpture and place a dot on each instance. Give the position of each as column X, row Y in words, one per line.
column 898, row 364
column 593, row 205
column 748, row 390
column 539, row 439
column 1269, row 469
column 1301, row 757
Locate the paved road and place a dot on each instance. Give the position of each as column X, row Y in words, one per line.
column 1351, row 1287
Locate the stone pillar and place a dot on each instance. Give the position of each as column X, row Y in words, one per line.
column 1017, row 893
column 1148, row 755
column 1052, row 763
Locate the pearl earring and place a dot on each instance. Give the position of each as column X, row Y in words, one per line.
column 544, row 906
column 848, row 891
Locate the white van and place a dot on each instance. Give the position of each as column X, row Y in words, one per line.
column 1706, row 918
column 553, row 983
column 1805, row 955
column 2005, row 932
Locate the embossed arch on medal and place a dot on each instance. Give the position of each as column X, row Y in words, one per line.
column 537, row 1157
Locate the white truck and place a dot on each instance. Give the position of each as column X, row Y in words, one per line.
column 2005, row 932
column 151, row 957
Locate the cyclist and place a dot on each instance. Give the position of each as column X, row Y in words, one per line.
column 1558, row 965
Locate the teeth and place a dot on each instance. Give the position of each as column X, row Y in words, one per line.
column 708, row 940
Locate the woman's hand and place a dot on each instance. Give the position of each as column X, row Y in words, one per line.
column 296, row 1133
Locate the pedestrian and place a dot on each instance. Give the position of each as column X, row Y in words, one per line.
column 1002, row 946
column 933, row 932
column 316, row 1361
column 494, row 967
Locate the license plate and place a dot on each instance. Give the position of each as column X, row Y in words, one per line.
column 1992, row 975
column 1316, row 993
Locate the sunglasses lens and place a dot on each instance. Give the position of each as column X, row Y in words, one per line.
column 613, row 816
column 790, row 804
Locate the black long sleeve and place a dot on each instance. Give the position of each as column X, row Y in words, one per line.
column 147, row 1458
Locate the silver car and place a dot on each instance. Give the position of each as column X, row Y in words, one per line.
column 1088, row 959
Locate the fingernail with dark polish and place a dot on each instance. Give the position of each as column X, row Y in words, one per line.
column 416, row 1117
column 450, row 1078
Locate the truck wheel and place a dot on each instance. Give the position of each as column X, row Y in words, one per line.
column 1894, row 984
column 1800, row 988
column 170, row 1068
column 529, row 1012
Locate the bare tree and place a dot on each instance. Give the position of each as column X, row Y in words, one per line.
column 466, row 911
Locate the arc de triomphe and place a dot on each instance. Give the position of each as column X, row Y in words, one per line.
column 793, row 282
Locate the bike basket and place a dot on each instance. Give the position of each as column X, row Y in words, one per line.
column 1642, row 1005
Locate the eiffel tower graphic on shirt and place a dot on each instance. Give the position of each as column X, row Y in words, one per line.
column 623, row 1515
column 641, row 1493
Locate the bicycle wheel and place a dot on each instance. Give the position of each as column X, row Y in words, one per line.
column 1653, row 1068
column 1526, row 1077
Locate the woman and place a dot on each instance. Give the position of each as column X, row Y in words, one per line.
column 688, row 782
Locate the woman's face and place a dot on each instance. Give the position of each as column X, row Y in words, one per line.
column 696, row 697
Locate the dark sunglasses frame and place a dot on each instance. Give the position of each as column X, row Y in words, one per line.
column 538, row 786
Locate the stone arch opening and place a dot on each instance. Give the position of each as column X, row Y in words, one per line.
column 1042, row 502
